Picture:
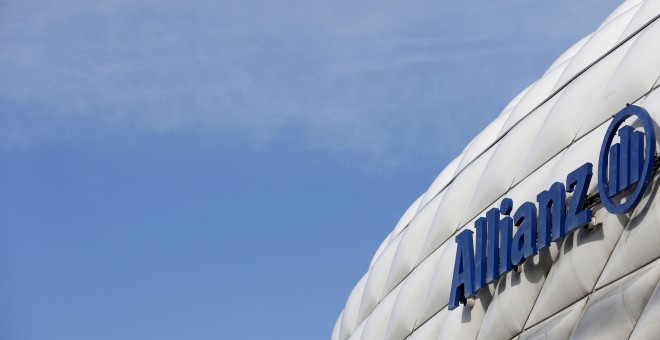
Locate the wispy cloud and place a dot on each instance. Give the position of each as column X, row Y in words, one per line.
column 393, row 80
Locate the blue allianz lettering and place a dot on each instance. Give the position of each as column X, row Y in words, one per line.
column 625, row 168
column 498, row 251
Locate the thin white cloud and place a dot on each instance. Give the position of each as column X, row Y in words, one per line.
column 395, row 79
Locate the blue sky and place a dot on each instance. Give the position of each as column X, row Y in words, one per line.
column 226, row 169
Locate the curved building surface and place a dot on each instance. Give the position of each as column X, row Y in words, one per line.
column 598, row 281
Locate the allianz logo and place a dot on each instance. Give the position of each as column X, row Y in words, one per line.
column 624, row 172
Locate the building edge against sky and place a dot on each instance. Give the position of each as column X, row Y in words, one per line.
column 598, row 282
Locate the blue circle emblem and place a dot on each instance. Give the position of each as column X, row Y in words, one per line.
column 646, row 166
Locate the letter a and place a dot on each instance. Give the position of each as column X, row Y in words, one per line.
column 462, row 283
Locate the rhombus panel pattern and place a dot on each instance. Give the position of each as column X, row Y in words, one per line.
column 600, row 283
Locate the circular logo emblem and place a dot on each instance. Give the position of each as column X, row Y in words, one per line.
column 624, row 169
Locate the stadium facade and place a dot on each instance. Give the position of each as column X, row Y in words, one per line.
column 547, row 225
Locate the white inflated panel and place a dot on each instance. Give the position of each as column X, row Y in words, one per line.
column 582, row 257
column 357, row 335
column 477, row 202
column 410, row 299
column 652, row 104
column 565, row 118
column 635, row 76
column 640, row 241
column 626, row 5
column 601, row 42
column 349, row 319
column 407, row 217
column 539, row 92
column 515, row 296
column 514, row 102
column 375, row 325
column 568, row 54
column 437, row 294
column 612, row 312
column 648, row 326
column 374, row 290
column 454, row 203
column 504, row 115
column 647, row 12
column 508, row 155
column 407, row 254
column 463, row 322
column 440, row 182
column 483, row 141
column 559, row 326
column 430, row 329
column 530, row 187
column 579, row 153
column 335, row 330
column 380, row 250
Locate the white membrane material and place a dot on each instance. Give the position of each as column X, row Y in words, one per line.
column 626, row 5
column 454, row 204
column 374, row 329
column 411, row 298
column 441, row 181
column 539, row 92
column 568, row 54
column 483, row 141
column 408, row 251
column 612, row 312
column 648, row 326
column 437, row 293
column 349, row 318
column 600, row 42
column 407, row 217
column 559, row 326
column 599, row 281
column 431, row 328
column 335, row 330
